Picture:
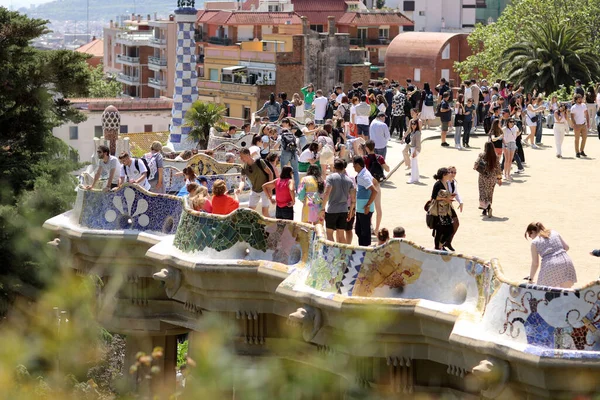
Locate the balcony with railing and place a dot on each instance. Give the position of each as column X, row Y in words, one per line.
column 157, row 83
column 220, row 41
column 157, row 42
column 242, row 55
column 157, row 63
column 128, row 60
column 369, row 41
column 135, row 38
column 128, row 79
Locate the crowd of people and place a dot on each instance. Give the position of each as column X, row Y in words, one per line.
column 301, row 149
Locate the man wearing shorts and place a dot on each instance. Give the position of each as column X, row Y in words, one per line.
column 258, row 174
column 580, row 120
column 338, row 189
column 361, row 117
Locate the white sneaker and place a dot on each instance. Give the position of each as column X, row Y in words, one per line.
column 520, row 171
column 458, row 147
column 535, row 146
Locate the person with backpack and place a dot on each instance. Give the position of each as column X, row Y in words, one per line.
column 133, row 171
column 273, row 108
column 154, row 164
column 379, row 133
column 375, row 163
column 344, row 109
column 427, row 112
column 258, row 174
column 289, row 149
column 365, row 198
column 288, row 109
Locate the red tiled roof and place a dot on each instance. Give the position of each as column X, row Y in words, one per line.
column 247, row 5
column 418, row 47
column 249, row 18
column 316, row 11
column 374, row 18
column 95, row 48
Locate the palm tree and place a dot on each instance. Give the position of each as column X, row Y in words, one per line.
column 200, row 117
column 550, row 55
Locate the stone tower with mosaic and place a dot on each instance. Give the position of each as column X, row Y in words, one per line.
column 186, row 78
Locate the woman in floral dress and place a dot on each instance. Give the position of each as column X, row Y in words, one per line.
column 557, row 268
column 489, row 175
column 310, row 193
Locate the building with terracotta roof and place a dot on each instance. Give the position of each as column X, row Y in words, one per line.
column 137, row 116
column 426, row 57
column 141, row 54
column 95, row 49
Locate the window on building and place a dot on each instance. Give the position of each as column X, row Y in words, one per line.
column 352, row 6
column 227, row 109
column 407, row 28
column 384, row 33
column 362, row 33
column 316, row 28
column 446, row 52
column 73, row 132
column 409, row 6
column 98, row 131
column 417, row 75
column 124, row 129
column 148, row 128
column 213, row 74
column 381, row 55
column 446, row 74
column 422, row 13
column 340, row 75
column 247, row 114
column 274, row 8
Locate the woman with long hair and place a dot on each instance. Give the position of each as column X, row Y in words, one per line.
column 427, row 112
column 285, row 193
column 509, row 145
column 273, row 108
column 533, row 117
column 442, row 210
column 557, row 268
column 299, row 104
column 414, row 132
column 489, row 175
column 496, row 136
column 310, row 193
column 453, row 189
column 459, row 119
column 561, row 128
column 382, row 104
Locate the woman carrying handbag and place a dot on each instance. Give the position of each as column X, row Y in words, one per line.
column 459, row 120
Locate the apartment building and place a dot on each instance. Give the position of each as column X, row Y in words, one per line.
column 439, row 15
column 140, row 53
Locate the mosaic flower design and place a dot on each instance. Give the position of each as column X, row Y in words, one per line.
column 126, row 212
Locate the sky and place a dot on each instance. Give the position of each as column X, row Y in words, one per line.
column 21, row 3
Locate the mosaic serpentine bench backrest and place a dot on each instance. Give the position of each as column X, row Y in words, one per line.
column 546, row 321
column 221, row 150
column 206, row 165
column 173, row 182
column 242, row 142
column 398, row 269
column 280, row 241
column 130, row 207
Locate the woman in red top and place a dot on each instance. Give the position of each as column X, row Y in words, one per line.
column 285, row 193
column 223, row 204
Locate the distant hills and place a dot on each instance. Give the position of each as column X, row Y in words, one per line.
column 100, row 10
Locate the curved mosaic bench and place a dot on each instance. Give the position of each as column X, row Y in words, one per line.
column 539, row 320
column 243, row 142
column 129, row 208
column 224, row 148
column 173, row 182
column 243, row 235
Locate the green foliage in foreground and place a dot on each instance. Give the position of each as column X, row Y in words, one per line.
column 101, row 85
column 489, row 42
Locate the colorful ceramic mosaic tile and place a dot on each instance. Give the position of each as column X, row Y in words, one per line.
column 129, row 208
column 174, row 182
column 243, row 142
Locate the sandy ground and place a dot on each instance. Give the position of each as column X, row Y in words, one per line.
column 560, row 193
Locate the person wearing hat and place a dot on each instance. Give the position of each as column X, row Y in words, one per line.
column 380, row 134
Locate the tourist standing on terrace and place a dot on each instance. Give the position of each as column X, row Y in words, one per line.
column 258, row 174
column 446, row 116
column 320, row 106
column 557, row 268
column 309, row 95
column 580, row 121
column 366, row 193
column 289, row 148
column 285, row 194
column 133, row 171
column 107, row 169
column 442, row 210
column 361, row 117
column 379, row 133
column 561, row 128
column 533, row 109
column 489, row 175
column 310, row 193
column 273, row 108
column 299, row 106
column 375, row 164
column 222, row 204
column 398, row 116
column 155, row 164
column 414, row 148
column 427, row 112
column 339, row 189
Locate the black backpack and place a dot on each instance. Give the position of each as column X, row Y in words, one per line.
column 288, row 142
column 346, row 113
column 135, row 162
column 290, row 109
column 375, row 168
column 487, row 123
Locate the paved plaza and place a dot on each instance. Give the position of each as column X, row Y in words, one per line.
column 560, row 193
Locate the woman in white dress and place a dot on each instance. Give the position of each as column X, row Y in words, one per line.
column 427, row 112
column 557, row 268
column 533, row 109
column 561, row 128
column 299, row 103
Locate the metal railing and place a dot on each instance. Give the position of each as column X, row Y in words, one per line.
column 132, row 79
column 218, row 40
column 367, row 41
column 157, row 82
column 159, row 41
column 128, row 59
column 158, row 61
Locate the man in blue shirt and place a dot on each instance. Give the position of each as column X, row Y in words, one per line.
column 365, row 197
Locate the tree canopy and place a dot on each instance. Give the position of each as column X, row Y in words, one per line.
column 489, row 42
column 35, row 167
